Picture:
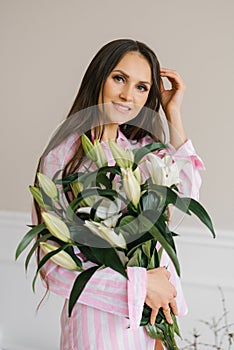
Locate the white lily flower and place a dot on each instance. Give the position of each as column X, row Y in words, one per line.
column 112, row 220
column 57, row 227
column 108, row 208
column 131, row 186
column 164, row 171
column 84, row 210
column 61, row 258
column 107, row 211
column 106, row 233
column 47, row 185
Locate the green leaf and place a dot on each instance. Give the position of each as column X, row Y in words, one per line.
column 167, row 234
column 135, row 258
column 128, row 226
column 170, row 197
column 149, row 201
column 139, row 153
column 109, row 258
column 141, row 237
column 200, row 212
column 109, row 193
column 88, row 254
column 30, row 235
column 94, row 209
column 115, row 170
column 45, row 259
column 154, row 332
column 164, row 332
column 146, row 247
column 70, row 251
column 35, row 246
column 154, row 231
column 67, row 179
column 83, row 236
column 79, row 285
column 103, row 179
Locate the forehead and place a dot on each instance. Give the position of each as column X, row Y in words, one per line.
column 135, row 65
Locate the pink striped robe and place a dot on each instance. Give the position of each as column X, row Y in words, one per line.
column 108, row 312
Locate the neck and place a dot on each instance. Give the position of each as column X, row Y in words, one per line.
column 110, row 132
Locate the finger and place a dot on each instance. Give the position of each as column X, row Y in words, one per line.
column 162, row 85
column 167, row 313
column 168, row 71
column 153, row 316
column 167, row 273
column 174, row 307
column 174, row 292
column 174, row 78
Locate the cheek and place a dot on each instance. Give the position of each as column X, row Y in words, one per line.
column 141, row 100
column 109, row 89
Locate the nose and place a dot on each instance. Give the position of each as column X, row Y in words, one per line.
column 126, row 93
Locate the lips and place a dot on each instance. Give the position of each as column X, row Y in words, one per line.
column 121, row 107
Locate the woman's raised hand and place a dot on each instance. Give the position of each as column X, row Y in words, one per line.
column 172, row 99
column 160, row 293
column 171, row 103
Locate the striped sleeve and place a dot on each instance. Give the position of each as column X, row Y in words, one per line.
column 107, row 290
column 190, row 174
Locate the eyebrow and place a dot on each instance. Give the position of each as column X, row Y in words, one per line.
column 127, row 76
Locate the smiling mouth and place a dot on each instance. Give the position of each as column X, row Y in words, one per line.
column 121, row 108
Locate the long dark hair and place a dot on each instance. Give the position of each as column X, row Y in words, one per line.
column 84, row 112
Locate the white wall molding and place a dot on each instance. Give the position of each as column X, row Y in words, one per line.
column 202, row 236
column 14, row 217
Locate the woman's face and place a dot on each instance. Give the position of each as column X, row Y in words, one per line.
column 127, row 88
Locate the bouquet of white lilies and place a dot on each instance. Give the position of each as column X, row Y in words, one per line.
column 116, row 217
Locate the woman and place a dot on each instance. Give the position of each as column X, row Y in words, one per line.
column 119, row 97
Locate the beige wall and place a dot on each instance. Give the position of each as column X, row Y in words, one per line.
column 46, row 46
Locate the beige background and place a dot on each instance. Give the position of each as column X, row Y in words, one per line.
column 46, row 46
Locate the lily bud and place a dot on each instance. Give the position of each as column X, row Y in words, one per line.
column 106, row 233
column 131, row 186
column 47, row 185
column 137, row 174
column 76, row 187
column 94, row 151
column 88, row 148
column 100, row 154
column 57, row 227
column 123, row 158
column 61, row 258
column 37, row 195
